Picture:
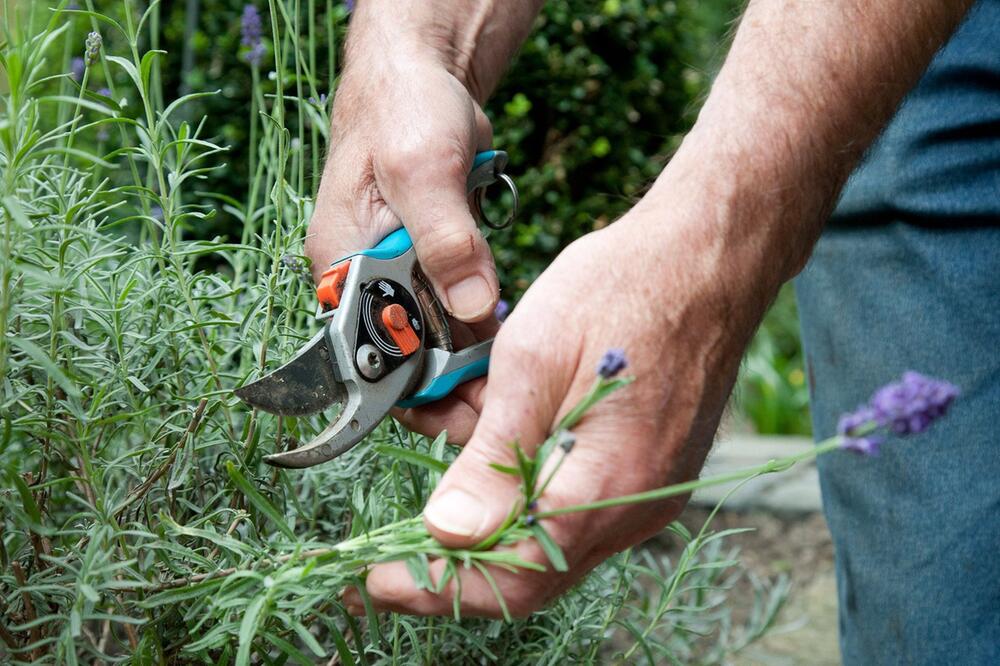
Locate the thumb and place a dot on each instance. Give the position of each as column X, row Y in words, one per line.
column 426, row 190
column 473, row 499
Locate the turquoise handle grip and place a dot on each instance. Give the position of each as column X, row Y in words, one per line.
column 445, row 384
column 390, row 247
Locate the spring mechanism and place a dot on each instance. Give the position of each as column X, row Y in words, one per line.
column 438, row 332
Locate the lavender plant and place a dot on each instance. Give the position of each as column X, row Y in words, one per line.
column 138, row 522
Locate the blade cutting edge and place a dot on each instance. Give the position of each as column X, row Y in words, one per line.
column 304, row 385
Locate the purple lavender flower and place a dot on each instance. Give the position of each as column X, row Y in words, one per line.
column 612, row 363
column 502, row 310
column 104, row 92
column 252, row 35
column 912, row 404
column 533, row 505
column 530, row 520
column 350, row 4
column 77, row 67
column 905, row 407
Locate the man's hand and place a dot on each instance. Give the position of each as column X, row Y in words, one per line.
column 613, row 288
column 407, row 123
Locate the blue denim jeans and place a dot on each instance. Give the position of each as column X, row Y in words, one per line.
column 916, row 530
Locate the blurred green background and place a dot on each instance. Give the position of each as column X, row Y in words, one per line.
column 592, row 108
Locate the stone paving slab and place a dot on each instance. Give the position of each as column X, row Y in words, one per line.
column 795, row 490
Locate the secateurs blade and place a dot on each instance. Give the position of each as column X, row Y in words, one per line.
column 385, row 341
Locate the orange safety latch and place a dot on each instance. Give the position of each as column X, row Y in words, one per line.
column 397, row 322
column 331, row 285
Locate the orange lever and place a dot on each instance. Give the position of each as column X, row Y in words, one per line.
column 331, row 285
column 397, row 322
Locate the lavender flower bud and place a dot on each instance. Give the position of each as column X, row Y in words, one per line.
column 566, row 440
column 297, row 266
column 93, row 48
column 852, row 422
column 502, row 310
column 868, row 446
column 612, row 363
column 533, row 505
column 530, row 520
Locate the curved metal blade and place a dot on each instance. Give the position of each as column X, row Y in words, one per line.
column 305, row 385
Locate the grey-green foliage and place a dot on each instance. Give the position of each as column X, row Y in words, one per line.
column 138, row 523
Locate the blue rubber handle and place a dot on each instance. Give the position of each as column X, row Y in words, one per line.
column 390, row 247
column 445, row 384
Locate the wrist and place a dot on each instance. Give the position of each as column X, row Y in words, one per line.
column 472, row 40
column 729, row 234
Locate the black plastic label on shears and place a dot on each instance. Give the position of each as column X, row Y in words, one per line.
column 376, row 295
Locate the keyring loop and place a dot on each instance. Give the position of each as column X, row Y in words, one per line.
column 481, row 197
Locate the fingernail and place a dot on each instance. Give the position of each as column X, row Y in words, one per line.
column 470, row 298
column 456, row 512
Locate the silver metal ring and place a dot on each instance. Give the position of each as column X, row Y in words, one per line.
column 481, row 196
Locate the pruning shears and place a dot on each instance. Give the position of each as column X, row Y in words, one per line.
column 385, row 342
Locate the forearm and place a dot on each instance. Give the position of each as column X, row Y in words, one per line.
column 474, row 39
column 804, row 90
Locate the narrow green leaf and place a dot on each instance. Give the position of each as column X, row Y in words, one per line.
column 76, row 101
column 129, row 69
column 138, row 384
column 203, row 589
column 16, row 212
column 90, row 593
column 308, row 639
column 258, row 500
column 419, row 568
column 289, row 650
column 412, row 457
column 146, row 65
column 42, row 360
column 551, row 548
column 248, row 629
column 27, row 499
column 496, row 590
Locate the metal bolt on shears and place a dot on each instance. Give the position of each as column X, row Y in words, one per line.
column 385, row 341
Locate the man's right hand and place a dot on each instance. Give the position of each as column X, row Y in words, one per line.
column 405, row 131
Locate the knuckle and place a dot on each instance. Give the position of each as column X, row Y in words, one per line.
column 449, row 246
column 411, row 161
